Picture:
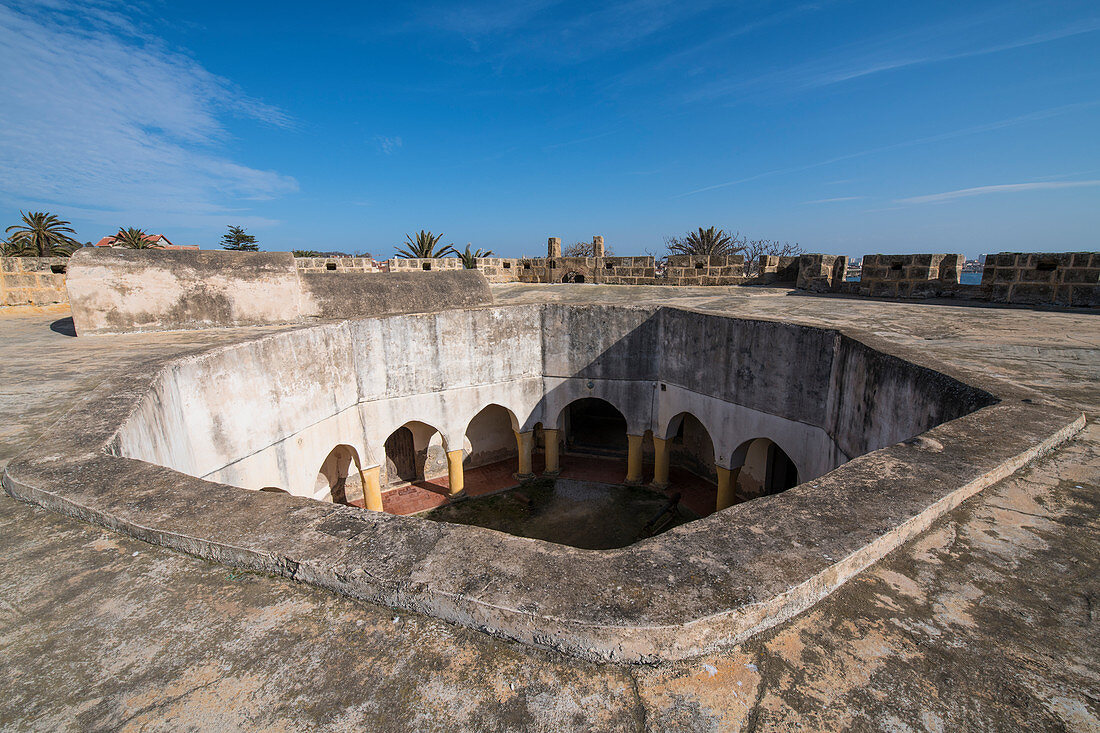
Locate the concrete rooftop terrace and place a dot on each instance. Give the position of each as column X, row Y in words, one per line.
column 986, row 619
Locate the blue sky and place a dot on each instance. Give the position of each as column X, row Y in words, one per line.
column 848, row 127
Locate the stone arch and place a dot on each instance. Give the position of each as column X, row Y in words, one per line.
column 765, row 469
column 336, row 481
column 414, row 451
column 490, row 436
column 573, row 277
column 592, row 424
column 691, row 445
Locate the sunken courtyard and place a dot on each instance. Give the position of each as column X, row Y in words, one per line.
column 243, row 494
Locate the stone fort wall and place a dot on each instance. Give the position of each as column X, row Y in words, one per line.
column 1058, row 279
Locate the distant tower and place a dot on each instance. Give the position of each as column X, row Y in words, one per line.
column 553, row 247
column 597, row 246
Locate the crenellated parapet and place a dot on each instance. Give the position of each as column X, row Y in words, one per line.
column 704, row 270
column 1064, row 278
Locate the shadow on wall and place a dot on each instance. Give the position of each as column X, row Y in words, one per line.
column 64, row 326
column 680, row 375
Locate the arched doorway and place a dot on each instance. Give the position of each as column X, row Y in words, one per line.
column 400, row 456
column 594, row 426
column 336, row 481
column 490, row 437
column 767, row 470
column 414, row 451
column 573, row 277
column 690, row 446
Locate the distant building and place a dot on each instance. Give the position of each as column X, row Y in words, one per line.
column 157, row 239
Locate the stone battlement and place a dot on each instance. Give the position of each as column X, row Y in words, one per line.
column 33, row 280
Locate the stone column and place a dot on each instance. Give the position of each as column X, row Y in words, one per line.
column 727, row 484
column 372, row 489
column 525, row 442
column 597, row 246
column 634, row 459
column 660, row 463
column 553, row 247
column 454, row 474
column 551, row 438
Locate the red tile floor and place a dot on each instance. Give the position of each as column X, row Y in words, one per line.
column 696, row 494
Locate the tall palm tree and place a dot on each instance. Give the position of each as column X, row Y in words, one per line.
column 424, row 246
column 469, row 259
column 132, row 238
column 43, row 234
column 712, row 241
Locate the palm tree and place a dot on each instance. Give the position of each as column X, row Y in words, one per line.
column 306, row 253
column 135, row 239
column 17, row 248
column 424, row 246
column 42, row 234
column 712, row 241
column 469, row 259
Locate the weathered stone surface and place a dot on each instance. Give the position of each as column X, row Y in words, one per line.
column 982, row 622
column 693, row 589
column 118, row 290
column 352, row 295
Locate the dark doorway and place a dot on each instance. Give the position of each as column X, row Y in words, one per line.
column 782, row 474
column 573, row 277
column 594, row 426
column 400, row 456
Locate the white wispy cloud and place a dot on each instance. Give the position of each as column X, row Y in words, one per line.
column 547, row 29
column 103, row 119
column 388, row 145
column 963, row 132
column 934, row 198
column 949, row 41
column 835, row 200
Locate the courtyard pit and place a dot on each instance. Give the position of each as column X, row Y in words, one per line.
column 802, row 454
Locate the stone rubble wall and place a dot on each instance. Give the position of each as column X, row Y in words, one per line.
column 33, row 280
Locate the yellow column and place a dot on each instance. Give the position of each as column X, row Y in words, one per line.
column 372, row 489
column 660, row 463
column 727, row 483
column 634, row 459
column 552, row 467
column 454, row 473
column 525, row 442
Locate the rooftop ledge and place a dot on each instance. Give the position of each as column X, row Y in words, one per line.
column 698, row 587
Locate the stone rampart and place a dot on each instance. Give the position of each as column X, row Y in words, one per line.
column 336, row 264
column 605, row 270
column 775, row 269
column 704, row 270
column 1064, row 278
column 33, row 280
column 910, row 276
column 821, row 273
column 499, row 269
column 411, row 264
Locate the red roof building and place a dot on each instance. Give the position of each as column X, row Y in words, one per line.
column 157, row 239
